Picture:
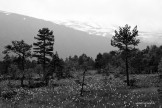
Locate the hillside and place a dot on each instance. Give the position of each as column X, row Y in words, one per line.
column 68, row 41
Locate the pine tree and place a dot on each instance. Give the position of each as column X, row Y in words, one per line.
column 43, row 49
column 22, row 50
column 126, row 41
column 85, row 68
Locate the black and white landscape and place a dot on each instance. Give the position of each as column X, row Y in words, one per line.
column 80, row 54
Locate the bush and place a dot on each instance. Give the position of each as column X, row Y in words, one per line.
column 132, row 82
column 109, row 69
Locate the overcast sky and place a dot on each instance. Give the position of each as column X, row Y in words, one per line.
column 146, row 14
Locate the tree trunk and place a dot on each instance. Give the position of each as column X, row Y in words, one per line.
column 9, row 82
column 44, row 65
column 126, row 63
column 22, row 78
column 81, row 93
column 46, row 79
column 127, row 71
column 29, row 81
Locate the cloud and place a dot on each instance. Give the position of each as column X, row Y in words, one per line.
column 151, row 37
column 99, row 15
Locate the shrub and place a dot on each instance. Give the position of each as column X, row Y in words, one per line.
column 132, row 82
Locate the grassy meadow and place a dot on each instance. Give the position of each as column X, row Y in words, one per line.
column 99, row 92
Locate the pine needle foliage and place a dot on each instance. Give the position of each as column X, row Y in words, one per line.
column 43, row 48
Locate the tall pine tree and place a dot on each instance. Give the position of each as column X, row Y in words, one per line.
column 125, row 40
column 43, row 49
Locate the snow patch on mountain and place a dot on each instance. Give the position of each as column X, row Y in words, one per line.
column 94, row 28
column 89, row 27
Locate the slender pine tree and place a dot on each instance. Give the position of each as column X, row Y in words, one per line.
column 125, row 40
column 43, row 49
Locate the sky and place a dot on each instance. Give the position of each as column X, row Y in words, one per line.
column 103, row 14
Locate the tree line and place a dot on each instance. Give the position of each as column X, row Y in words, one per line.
column 18, row 61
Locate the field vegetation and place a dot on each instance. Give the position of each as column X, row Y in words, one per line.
column 124, row 78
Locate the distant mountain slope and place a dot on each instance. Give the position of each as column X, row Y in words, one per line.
column 68, row 41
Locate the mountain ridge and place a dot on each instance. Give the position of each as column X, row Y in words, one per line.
column 68, row 41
